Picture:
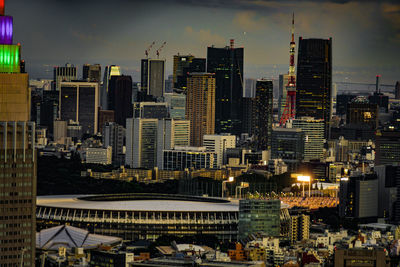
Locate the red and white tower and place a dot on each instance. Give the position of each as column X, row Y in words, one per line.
column 290, row 108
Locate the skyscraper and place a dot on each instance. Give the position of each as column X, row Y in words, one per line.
column 227, row 64
column 397, row 90
column 109, row 71
column 91, row 73
column 79, row 102
column 153, row 76
column 17, row 155
column 66, row 73
column 200, row 106
column 183, row 65
column 314, row 80
column 114, row 136
column 262, row 124
column 288, row 145
column 120, row 98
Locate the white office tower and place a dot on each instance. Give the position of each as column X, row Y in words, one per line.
column 108, row 72
column 171, row 133
column 313, row 130
column 141, row 143
column 219, row 143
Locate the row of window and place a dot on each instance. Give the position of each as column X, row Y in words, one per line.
column 15, row 217
column 10, row 241
column 7, row 225
column 14, row 201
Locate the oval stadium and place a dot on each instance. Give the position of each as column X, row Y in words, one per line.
column 144, row 216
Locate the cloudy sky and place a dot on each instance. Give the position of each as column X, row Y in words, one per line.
column 366, row 34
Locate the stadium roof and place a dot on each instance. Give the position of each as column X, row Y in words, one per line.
column 71, row 237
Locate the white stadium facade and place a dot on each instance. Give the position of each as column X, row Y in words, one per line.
column 143, row 216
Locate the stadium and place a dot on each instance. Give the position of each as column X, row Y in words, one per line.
column 143, row 216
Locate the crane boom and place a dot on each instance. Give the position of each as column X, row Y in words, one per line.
column 159, row 49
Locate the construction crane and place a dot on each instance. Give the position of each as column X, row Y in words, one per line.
column 148, row 49
column 159, row 49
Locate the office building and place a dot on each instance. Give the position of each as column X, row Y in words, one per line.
column 299, row 228
column 341, row 103
column 79, row 103
column 397, row 90
column 263, row 115
column 177, row 105
column 104, row 117
column 219, row 143
column 109, row 71
column 17, row 155
column 227, row 64
column 150, row 110
column 250, row 88
column 120, row 98
column 248, row 114
column 91, row 73
column 358, row 196
column 288, row 145
column 171, row 133
column 314, row 80
column 388, row 176
column 113, row 135
column 65, row 73
column 153, row 76
column 180, row 158
column 283, row 82
column 60, row 131
column 183, row 65
column 48, row 109
column 387, row 147
column 313, row 131
column 361, row 113
column 259, row 216
column 141, row 143
column 200, row 106
column 99, row 155
column 379, row 98
column 368, row 257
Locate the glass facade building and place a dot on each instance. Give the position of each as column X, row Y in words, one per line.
column 262, row 115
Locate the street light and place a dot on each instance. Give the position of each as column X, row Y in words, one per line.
column 230, row 180
column 303, row 179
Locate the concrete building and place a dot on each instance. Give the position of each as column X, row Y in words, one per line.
column 15, row 97
column 387, row 146
column 313, row 137
column 299, row 228
column 109, row 71
column 150, row 110
column 171, row 133
column 67, row 73
column 141, row 143
column 60, row 131
column 114, row 136
column 181, row 158
column 200, row 106
column 219, row 143
column 91, row 73
column 259, row 216
column 153, row 77
column 79, row 102
column 358, row 256
column 98, row 155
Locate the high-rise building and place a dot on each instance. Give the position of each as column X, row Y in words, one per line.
column 109, row 71
column 17, row 155
column 141, row 143
column 104, row 117
column 227, row 64
column 79, row 102
column 314, row 80
column 177, row 105
column 120, row 98
column 259, row 216
column 200, row 106
column 183, row 65
column 358, row 197
column 171, row 133
column 250, row 88
column 288, row 145
column 299, row 228
column 283, row 82
column 248, row 115
column 379, row 98
column 48, row 109
column 341, row 103
column 114, row 136
column 91, row 73
column 150, row 110
column 263, row 115
column 397, row 90
column 219, row 143
column 60, row 131
column 387, row 147
column 313, row 137
column 66, row 73
column 181, row 158
column 153, row 76
column 362, row 114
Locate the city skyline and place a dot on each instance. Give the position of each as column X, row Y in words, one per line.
column 365, row 34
